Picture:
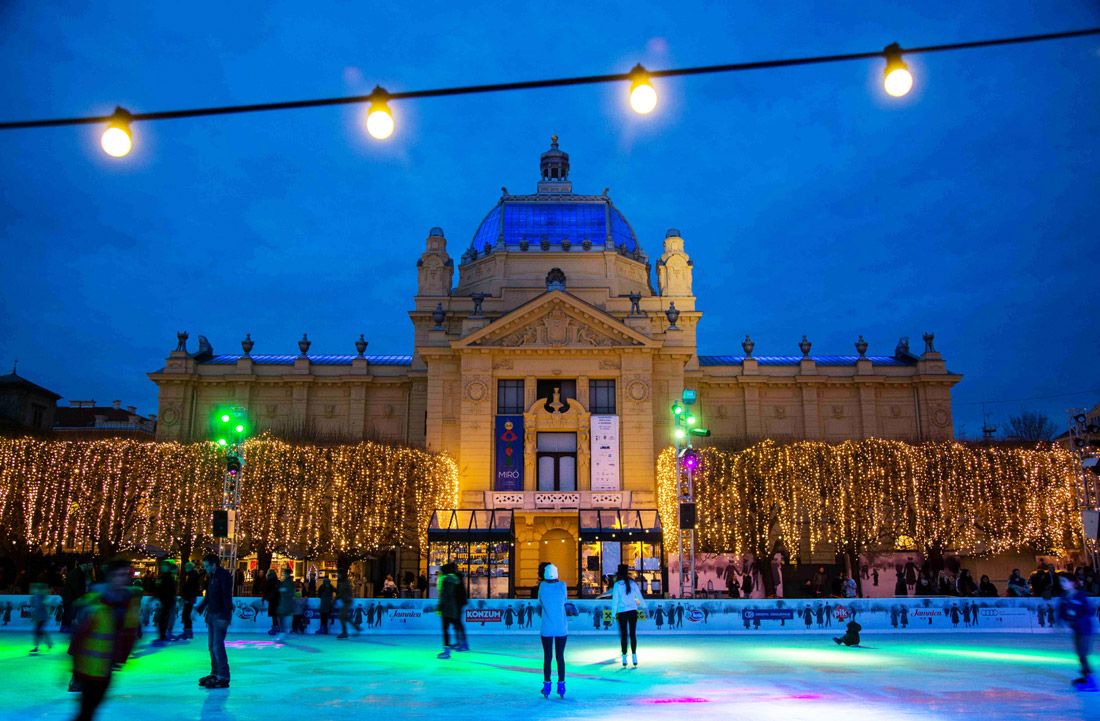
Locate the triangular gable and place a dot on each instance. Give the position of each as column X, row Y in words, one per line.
column 556, row 319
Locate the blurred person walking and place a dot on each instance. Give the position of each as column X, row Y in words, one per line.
column 105, row 628
column 40, row 615
column 1075, row 610
column 327, row 594
column 344, row 595
column 189, row 591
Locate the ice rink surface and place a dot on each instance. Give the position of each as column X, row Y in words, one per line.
column 983, row 677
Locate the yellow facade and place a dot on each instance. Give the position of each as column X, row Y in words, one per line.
column 548, row 296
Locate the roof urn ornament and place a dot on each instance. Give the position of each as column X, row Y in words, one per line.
column 902, row 348
column 747, row 345
column 438, row 316
column 861, row 347
column 361, row 345
column 673, row 315
column 181, row 340
column 928, row 338
column 303, row 345
column 247, row 344
column 805, row 346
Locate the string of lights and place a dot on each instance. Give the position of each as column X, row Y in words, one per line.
column 118, row 495
column 117, row 138
column 875, row 493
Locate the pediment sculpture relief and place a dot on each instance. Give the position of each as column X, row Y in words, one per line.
column 558, row 329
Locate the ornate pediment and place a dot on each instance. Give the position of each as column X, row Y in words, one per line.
column 556, row 320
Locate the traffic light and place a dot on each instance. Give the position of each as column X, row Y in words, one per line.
column 686, row 423
column 229, row 425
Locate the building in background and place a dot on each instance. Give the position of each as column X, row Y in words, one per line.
column 86, row 421
column 547, row 371
column 25, row 406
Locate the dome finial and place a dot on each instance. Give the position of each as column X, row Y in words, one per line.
column 554, row 141
column 554, row 167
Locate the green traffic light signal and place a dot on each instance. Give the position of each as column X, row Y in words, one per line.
column 690, row 420
column 677, row 409
column 225, row 417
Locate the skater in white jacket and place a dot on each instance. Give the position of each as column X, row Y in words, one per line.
column 626, row 601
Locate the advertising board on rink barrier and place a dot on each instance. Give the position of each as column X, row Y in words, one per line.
column 661, row 616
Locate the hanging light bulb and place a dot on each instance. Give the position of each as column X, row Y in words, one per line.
column 116, row 140
column 643, row 96
column 379, row 119
column 898, row 81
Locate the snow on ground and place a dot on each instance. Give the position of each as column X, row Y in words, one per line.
column 991, row 677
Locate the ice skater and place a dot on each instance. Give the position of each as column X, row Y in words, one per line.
column 104, row 631
column 554, row 631
column 851, row 635
column 1074, row 609
column 217, row 604
column 626, row 601
column 189, row 592
column 451, row 595
column 39, row 615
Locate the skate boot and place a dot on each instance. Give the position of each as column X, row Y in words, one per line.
column 445, row 654
column 546, row 689
column 35, row 650
column 561, row 689
column 463, row 646
column 1086, row 683
column 624, row 660
column 634, row 659
column 207, row 679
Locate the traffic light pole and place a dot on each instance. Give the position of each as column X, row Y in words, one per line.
column 686, row 462
column 231, row 498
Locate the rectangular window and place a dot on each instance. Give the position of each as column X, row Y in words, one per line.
column 601, row 397
column 510, row 397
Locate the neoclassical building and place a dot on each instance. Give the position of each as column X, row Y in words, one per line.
column 547, row 369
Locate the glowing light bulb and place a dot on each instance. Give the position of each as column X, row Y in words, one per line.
column 116, row 140
column 380, row 123
column 643, row 96
column 898, row 80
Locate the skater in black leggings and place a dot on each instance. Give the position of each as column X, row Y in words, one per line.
column 626, row 600
column 555, row 627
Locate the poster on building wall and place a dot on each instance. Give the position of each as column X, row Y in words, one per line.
column 509, row 453
column 605, row 453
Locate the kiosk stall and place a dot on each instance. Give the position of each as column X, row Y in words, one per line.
column 612, row 536
column 481, row 543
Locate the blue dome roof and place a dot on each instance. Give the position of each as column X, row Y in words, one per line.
column 537, row 218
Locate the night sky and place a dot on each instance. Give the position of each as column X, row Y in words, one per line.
column 809, row 200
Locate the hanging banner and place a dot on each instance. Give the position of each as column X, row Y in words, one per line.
column 605, row 453
column 509, row 453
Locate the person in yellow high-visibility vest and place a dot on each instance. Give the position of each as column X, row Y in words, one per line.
column 108, row 620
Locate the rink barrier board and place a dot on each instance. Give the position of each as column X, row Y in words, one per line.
column 518, row 616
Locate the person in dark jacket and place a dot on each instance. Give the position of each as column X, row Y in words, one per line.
column 271, row 598
column 986, row 588
column 287, row 604
column 76, row 585
column 189, row 591
column 450, row 609
column 105, row 628
column 1075, row 611
column 166, row 595
column 327, row 595
column 217, row 604
column 851, row 635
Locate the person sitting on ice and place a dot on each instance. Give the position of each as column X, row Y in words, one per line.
column 851, row 636
column 1075, row 611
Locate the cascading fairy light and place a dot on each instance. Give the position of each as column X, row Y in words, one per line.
column 860, row 494
column 121, row 495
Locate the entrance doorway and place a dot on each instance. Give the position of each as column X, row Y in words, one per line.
column 556, row 456
column 560, row 548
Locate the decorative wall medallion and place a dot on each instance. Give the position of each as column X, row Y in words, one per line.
column 476, row 390
column 170, row 416
column 939, row 417
column 838, row 411
column 638, row 390
column 780, row 412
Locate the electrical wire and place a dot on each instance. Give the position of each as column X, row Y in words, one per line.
column 536, row 84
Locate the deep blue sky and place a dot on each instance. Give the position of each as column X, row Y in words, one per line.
column 810, row 202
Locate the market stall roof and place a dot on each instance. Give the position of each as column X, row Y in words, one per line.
column 620, row 524
column 461, row 525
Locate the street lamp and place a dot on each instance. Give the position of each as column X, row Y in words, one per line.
column 643, row 96
column 379, row 119
column 116, row 140
column 898, row 80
